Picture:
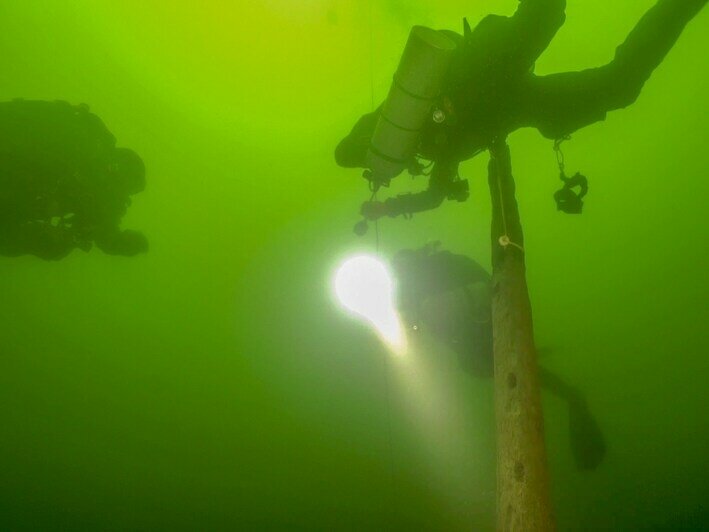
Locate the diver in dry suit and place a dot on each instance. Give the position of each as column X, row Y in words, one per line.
column 63, row 182
column 448, row 296
column 490, row 90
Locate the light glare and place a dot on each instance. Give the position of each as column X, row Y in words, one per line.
column 364, row 286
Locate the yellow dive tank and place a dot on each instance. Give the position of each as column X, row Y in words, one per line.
column 417, row 83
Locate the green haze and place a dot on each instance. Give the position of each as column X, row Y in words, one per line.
column 212, row 384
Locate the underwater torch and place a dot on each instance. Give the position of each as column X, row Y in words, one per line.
column 364, row 286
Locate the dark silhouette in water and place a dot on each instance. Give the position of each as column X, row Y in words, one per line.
column 567, row 199
column 63, row 182
column 491, row 90
column 449, row 295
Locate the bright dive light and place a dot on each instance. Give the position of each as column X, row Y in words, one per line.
column 363, row 285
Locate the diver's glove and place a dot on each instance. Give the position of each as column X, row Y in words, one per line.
column 370, row 211
column 373, row 210
column 408, row 204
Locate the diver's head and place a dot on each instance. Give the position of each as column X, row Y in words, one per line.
column 129, row 171
column 125, row 243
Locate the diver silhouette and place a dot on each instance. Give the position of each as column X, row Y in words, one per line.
column 63, row 182
column 449, row 296
column 488, row 89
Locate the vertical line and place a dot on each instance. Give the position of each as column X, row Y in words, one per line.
column 371, row 53
column 387, row 386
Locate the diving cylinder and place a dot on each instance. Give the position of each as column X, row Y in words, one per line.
column 417, row 83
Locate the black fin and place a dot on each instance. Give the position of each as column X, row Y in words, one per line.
column 588, row 446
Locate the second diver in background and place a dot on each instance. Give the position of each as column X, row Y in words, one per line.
column 63, row 182
column 448, row 295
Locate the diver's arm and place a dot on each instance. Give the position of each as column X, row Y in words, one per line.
column 404, row 204
column 124, row 242
column 351, row 152
column 443, row 184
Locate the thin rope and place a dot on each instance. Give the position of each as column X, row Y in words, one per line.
column 387, row 387
column 373, row 197
column 504, row 240
column 371, row 92
column 371, row 54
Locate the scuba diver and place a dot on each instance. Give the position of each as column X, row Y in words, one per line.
column 63, row 182
column 454, row 95
column 449, row 296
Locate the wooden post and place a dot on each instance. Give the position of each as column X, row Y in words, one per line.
column 523, row 502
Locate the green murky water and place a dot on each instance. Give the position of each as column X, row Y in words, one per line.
column 212, row 384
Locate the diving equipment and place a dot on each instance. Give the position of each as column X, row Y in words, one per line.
column 417, row 83
column 566, row 198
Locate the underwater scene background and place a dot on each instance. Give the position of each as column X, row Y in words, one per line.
column 214, row 384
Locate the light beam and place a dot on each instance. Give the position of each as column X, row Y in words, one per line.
column 364, row 286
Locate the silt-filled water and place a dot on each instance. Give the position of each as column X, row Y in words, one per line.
column 213, row 383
